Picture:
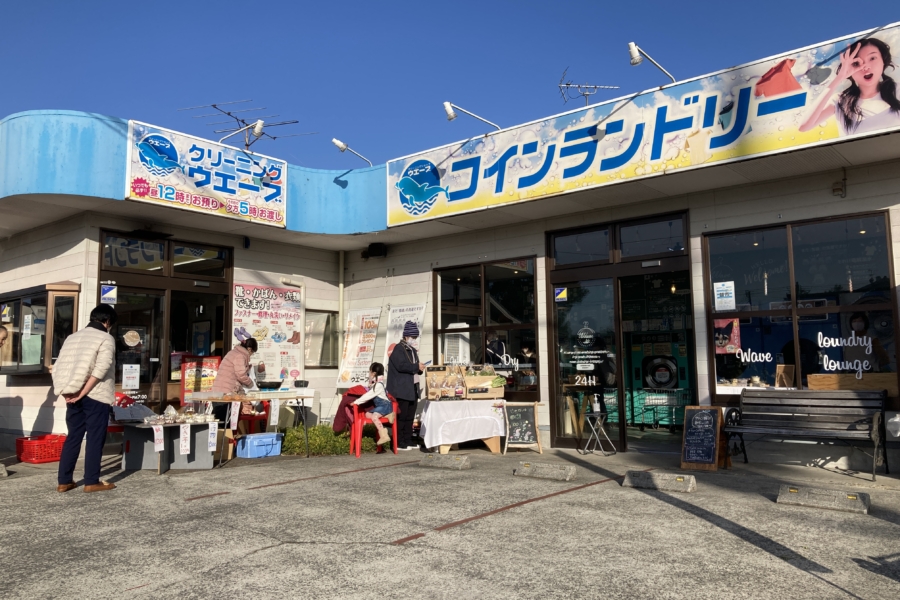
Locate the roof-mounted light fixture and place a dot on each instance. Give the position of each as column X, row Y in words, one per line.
column 451, row 114
column 638, row 55
column 343, row 147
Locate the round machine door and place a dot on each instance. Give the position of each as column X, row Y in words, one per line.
column 660, row 372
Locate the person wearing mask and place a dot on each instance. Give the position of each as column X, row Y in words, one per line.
column 234, row 375
column 404, row 369
column 84, row 374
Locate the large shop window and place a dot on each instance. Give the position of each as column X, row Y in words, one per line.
column 35, row 323
column 487, row 316
column 805, row 305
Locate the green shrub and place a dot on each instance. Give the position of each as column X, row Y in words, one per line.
column 323, row 441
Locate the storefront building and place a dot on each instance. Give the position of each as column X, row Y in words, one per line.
column 668, row 248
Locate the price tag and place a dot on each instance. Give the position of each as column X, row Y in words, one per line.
column 213, row 433
column 274, row 407
column 157, row 438
column 235, row 411
column 185, row 439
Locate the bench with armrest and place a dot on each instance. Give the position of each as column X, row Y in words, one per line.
column 835, row 415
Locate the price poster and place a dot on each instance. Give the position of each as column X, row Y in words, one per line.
column 361, row 329
column 235, row 411
column 185, row 439
column 274, row 317
column 158, row 438
column 274, row 409
column 213, row 435
column 131, row 377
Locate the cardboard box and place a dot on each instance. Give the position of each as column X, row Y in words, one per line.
column 229, row 446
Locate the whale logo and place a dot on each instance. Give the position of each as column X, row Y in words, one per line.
column 158, row 155
column 419, row 187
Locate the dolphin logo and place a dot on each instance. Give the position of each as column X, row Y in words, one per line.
column 416, row 193
column 157, row 163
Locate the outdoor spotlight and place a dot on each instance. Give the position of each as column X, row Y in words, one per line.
column 448, row 108
column 340, row 145
column 636, row 57
column 258, row 128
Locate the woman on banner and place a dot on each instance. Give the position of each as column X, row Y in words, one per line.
column 869, row 102
column 404, row 369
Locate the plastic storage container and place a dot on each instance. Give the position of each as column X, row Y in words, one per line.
column 40, row 448
column 259, row 445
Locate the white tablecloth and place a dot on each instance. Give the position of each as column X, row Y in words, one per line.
column 454, row 421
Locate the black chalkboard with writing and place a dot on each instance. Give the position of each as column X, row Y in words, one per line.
column 521, row 425
column 700, row 445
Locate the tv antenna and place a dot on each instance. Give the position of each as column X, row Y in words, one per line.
column 581, row 89
column 252, row 126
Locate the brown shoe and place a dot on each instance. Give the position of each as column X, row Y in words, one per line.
column 99, row 487
column 65, row 487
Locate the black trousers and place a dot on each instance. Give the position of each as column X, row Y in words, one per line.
column 86, row 415
column 405, row 422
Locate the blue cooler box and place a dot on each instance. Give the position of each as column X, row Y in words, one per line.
column 259, row 445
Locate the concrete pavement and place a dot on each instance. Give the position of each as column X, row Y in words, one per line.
column 381, row 526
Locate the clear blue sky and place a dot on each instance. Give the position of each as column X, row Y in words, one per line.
column 374, row 74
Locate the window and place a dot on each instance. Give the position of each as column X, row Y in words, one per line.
column 656, row 237
column 129, row 253
column 487, row 316
column 588, row 246
column 831, row 327
column 133, row 254
column 35, row 324
column 321, row 338
column 203, row 261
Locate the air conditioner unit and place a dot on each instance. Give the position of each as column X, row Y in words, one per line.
column 456, row 345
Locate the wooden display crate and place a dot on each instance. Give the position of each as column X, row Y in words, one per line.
column 442, row 372
column 848, row 381
column 482, row 382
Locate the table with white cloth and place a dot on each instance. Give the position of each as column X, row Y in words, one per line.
column 448, row 422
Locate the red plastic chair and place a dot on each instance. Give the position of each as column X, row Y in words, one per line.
column 262, row 419
column 361, row 418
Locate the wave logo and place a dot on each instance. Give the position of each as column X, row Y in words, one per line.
column 419, row 187
column 158, row 155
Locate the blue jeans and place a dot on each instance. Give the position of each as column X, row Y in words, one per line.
column 383, row 407
column 86, row 415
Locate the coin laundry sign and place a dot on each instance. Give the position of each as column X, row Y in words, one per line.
column 779, row 104
column 181, row 171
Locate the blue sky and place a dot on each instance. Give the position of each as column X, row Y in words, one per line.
column 375, row 74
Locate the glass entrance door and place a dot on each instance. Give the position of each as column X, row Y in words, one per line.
column 586, row 362
column 139, row 346
column 657, row 354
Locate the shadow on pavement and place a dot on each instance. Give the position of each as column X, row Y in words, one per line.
column 887, row 566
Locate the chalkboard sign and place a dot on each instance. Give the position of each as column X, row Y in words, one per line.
column 700, row 444
column 522, row 425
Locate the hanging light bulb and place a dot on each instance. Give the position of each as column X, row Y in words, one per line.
column 673, row 288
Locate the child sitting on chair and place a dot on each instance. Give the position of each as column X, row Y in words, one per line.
column 383, row 406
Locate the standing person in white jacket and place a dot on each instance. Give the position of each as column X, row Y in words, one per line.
column 85, row 375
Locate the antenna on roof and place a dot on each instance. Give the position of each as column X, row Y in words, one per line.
column 582, row 89
column 252, row 126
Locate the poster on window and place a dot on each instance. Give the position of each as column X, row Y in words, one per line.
column 397, row 318
column 360, row 330
column 727, row 336
column 273, row 316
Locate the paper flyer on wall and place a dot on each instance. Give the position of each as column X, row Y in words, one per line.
column 397, row 317
column 274, row 317
column 361, row 328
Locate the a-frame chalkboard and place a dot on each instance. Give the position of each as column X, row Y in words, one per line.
column 702, row 438
column 522, row 426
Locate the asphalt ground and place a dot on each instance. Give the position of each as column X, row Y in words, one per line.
column 382, row 527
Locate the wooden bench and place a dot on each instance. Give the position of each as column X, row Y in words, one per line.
column 843, row 415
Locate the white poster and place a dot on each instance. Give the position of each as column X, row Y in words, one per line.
column 724, row 295
column 361, row 328
column 213, row 434
column 274, row 409
column 131, row 377
column 235, row 411
column 158, row 438
column 26, row 328
column 397, row 318
column 273, row 316
column 315, row 338
column 185, row 439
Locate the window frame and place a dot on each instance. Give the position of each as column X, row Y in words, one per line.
column 336, row 342
column 50, row 293
column 168, row 269
column 481, row 331
column 794, row 313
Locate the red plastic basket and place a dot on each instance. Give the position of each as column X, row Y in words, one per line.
column 40, row 448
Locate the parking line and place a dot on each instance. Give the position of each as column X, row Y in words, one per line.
column 259, row 487
column 206, row 496
column 489, row 513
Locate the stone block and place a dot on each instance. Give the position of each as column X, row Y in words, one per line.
column 457, row 462
column 3, row 472
column 545, row 471
column 664, row 482
column 800, row 495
